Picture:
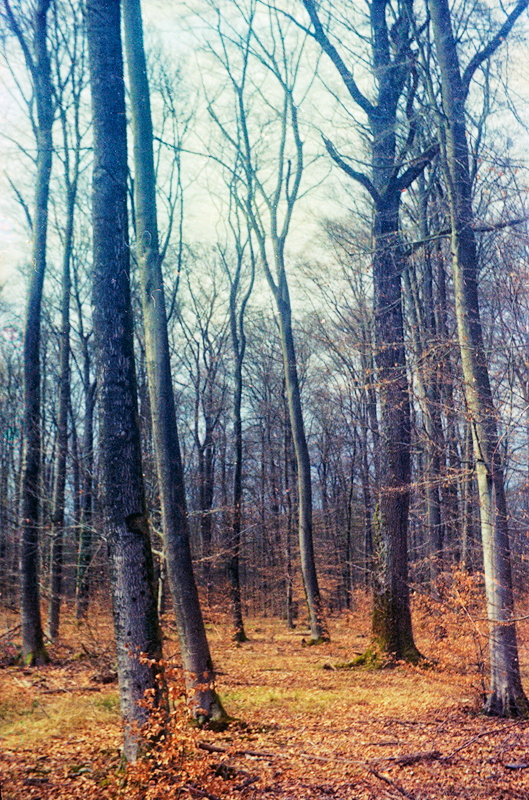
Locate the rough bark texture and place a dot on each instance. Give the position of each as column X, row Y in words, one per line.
column 38, row 63
column 126, row 529
column 198, row 667
column 506, row 697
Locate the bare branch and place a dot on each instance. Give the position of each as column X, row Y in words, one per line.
column 493, row 45
column 346, row 74
column 357, row 176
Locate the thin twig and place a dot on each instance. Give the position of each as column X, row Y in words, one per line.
column 402, row 791
column 9, row 632
column 475, row 738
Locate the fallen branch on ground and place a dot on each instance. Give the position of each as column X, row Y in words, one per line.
column 399, row 789
column 199, row 792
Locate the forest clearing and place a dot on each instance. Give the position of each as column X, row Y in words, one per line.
column 302, row 727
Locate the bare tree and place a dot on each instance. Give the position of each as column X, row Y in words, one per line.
column 35, row 49
column 506, row 696
column 198, row 666
column 70, row 81
column 239, row 297
column 391, row 35
column 268, row 203
column 136, row 625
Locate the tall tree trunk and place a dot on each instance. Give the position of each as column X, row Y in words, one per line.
column 289, row 525
column 506, row 697
column 318, row 625
column 239, row 634
column 38, row 63
column 238, row 341
column 136, row 625
column 423, row 335
column 198, row 667
column 59, row 477
column 206, row 484
column 84, row 557
column 279, row 201
column 392, row 629
column 392, row 68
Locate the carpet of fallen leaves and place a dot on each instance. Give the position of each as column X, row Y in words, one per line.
column 304, row 726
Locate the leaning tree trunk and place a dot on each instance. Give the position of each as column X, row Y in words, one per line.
column 137, row 631
column 506, row 697
column 203, row 701
column 38, row 63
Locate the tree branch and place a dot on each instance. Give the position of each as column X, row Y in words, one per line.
column 493, row 45
column 415, row 169
column 346, row 74
column 445, row 232
column 22, row 202
column 357, row 176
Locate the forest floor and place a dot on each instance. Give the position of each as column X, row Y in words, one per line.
column 303, row 726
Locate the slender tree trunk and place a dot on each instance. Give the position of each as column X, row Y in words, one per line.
column 423, row 338
column 289, row 527
column 84, row 558
column 318, row 625
column 136, row 625
column 239, row 346
column 59, row 478
column 198, row 667
column 38, row 63
column 206, row 481
column 235, row 544
column 506, row 697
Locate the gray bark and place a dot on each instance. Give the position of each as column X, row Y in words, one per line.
column 59, row 477
column 392, row 59
column 198, row 667
column 38, row 64
column 82, row 587
column 136, row 625
column 506, row 696
column 238, row 340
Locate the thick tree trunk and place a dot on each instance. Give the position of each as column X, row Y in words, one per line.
column 126, row 528
column 38, row 62
column 392, row 628
column 198, row 667
column 392, row 61
column 506, row 697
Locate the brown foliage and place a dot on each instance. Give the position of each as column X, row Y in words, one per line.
column 302, row 728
